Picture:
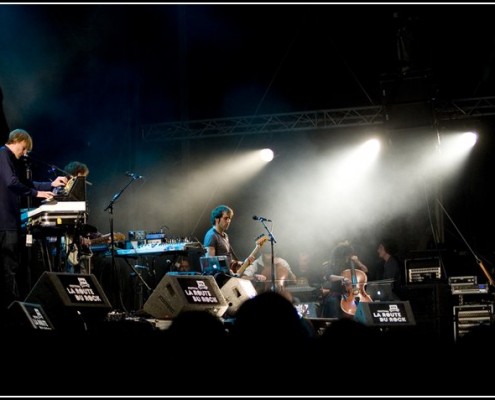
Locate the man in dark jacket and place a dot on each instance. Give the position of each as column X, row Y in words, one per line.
column 12, row 188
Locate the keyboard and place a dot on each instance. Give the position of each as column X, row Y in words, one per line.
column 158, row 248
column 55, row 213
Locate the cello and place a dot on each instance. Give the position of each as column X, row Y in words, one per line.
column 356, row 280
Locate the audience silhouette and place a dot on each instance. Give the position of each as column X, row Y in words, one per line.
column 200, row 354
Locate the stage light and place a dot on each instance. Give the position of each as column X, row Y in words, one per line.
column 362, row 157
column 369, row 150
column 266, row 155
column 468, row 139
column 455, row 146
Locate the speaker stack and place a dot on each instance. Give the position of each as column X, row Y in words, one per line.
column 432, row 307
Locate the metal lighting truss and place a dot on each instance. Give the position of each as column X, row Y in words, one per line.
column 306, row 120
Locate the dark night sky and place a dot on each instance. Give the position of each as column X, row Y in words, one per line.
column 82, row 79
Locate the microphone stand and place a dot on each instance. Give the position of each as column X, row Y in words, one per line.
column 54, row 168
column 29, row 237
column 109, row 207
column 272, row 241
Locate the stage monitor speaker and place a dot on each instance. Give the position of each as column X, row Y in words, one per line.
column 385, row 313
column 29, row 316
column 179, row 293
column 71, row 301
column 236, row 291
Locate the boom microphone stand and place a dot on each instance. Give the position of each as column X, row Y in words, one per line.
column 53, row 168
column 272, row 241
column 109, row 207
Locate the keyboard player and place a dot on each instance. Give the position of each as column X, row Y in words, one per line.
column 16, row 184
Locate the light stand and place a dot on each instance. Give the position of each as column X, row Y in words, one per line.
column 109, row 207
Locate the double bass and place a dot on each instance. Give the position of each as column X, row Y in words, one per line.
column 355, row 290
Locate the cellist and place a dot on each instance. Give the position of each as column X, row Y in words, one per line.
column 335, row 283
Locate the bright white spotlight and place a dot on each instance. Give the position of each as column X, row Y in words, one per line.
column 469, row 139
column 372, row 147
column 367, row 152
column 454, row 148
column 460, row 143
column 266, row 155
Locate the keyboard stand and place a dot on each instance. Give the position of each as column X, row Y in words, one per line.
column 51, row 251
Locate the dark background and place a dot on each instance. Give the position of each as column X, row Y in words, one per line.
column 85, row 79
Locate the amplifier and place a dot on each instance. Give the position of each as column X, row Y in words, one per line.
column 463, row 280
column 421, row 270
column 415, row 275
column 469, row 289
column 469, row 316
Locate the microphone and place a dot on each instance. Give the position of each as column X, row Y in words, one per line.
column 261, row 219
column 133, row 175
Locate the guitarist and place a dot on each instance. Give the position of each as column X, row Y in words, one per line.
column 217, row 241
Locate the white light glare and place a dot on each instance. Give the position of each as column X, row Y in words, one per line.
column 469, row 139
column 461, row 143
column 266, row 155
column 368, row 151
